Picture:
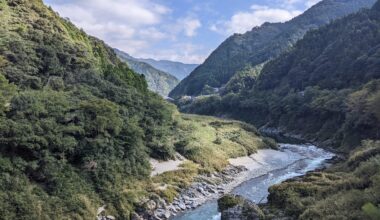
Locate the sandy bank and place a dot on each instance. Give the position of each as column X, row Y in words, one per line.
column 264, row 158
column 241, row 169
column 159, row 167
column 213, row 185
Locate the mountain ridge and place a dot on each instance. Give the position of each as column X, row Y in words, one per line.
column 326, row 90
column 178, row 69
column 330, row 74
column 78, row 127
column 158, row 81
column 260, row 45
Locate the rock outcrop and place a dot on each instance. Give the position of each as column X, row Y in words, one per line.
column 235, row 207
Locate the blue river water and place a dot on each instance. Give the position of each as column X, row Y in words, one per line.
column 256, row 189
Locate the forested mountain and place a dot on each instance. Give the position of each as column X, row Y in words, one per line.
column 158, row 81
column 325, row 89
column 242, row 51
column 78, row 127
column 177, row 69
column 327, row 84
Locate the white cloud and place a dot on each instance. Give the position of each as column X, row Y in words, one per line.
column 259, row 7
column 132, row 12
column 126, row 24
column 152, row 33
column 306, row 3
column 214, row 28
column 186, row 26
column 310, row 3
column 189, row 52
column 190, row 26
column 136, row 27
column 245, row 21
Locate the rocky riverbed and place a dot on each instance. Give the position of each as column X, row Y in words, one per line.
column 212, row 186
column 205, row 187
column 290, row 162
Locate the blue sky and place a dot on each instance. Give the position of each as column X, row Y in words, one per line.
column 181, row 30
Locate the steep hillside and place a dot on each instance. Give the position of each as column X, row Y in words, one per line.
column 158, row 81
column 332, row 74
column 78, row 127
column 326, row 88
column 260, row 45
column 177, row 69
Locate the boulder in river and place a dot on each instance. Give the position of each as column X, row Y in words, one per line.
column 234, row 207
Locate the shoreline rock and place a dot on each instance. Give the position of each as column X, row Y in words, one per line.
column 205, row 188
column 281, row 135
column 234, row 207
column 212, row 186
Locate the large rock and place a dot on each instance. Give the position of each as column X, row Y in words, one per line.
column 135, row 216
column 151, row 205
column 163, row 213
column 235, row 207
column 182, row 205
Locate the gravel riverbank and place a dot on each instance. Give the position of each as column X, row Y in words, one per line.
column 213, row 186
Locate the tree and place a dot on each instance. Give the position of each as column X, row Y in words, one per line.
column 7, row 90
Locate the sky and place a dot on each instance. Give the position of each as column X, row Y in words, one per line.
column 180, row 30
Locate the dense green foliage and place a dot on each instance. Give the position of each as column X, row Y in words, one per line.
column 198, row 137
column 158, row 81
column 6, row 93
column 77, row 125
column 261, row 44
column 344, row 191
column 326, row 88
column 229, row 201
column 242, row 80
column 248, row 210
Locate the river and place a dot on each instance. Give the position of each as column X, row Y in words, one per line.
column 308, row 158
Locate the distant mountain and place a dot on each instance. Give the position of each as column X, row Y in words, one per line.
column 177, row 69
column 158, row 81
column 261, row 44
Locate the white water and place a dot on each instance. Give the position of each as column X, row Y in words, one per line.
column 256, row 189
